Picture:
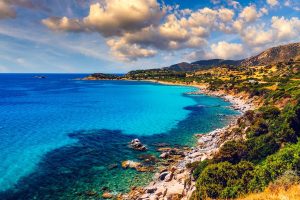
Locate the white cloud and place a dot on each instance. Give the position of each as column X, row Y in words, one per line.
column 123, row 51
column 112, row 17
column 273, row 2
column 250, row 14
column 280, row 30
column 6, row 11
column 63, row 24
column 8, row 7
column 286, row 29
column 227, row 50
column 136, row 29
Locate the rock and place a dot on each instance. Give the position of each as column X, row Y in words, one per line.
column 137, row 166
column 163, row 175
column 168, row 177
column 144, row 168
column 153, row 197
column 175, row 190
column 161, row 144
column 107, row 195
column 164, row 149
column 91, row 193
column 130, row 164
column 151, row 189
column 148, row 159
column 112, row 166
column 137, row 145
column 164, row 155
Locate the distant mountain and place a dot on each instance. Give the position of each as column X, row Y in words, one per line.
column 283, row 53
column 216, row 62
column 201, row 64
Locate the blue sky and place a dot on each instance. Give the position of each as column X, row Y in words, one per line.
column 68, row 36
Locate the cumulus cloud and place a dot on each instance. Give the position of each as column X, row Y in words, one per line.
column 293, row 4
column 146, row 25
column 273, row 2
column 63, row 24
column 6, row 11
column 126, row 52
column 250, row 14
column 8, row 7
column 113, row 17
column 280, row 30
column 136, row 29
column 227, row 50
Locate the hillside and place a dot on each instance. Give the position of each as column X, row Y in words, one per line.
column 283, row 53
column 202, row 64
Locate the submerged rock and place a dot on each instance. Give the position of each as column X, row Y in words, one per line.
column 137, row 145
column 130, row 164
column 137, row 166
column 112, row 166
column 107, row 195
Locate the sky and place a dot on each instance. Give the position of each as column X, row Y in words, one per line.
column 116, row 36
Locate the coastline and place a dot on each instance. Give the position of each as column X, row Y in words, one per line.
column 176, row 180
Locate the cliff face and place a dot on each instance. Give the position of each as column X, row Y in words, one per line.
column 274, row 55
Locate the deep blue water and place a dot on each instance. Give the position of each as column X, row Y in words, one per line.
column 59, row 135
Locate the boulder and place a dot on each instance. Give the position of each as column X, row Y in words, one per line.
column 130, row 164
column 164, row 155
column 107, row 195
column 137, row 145
column 168, row 177
column 163, row 175
column 151, row 189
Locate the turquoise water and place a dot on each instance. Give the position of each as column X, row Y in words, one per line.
column 58, row 135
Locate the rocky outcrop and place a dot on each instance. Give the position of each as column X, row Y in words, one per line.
column 137, row 145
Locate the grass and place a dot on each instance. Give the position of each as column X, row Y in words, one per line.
column 276, row 193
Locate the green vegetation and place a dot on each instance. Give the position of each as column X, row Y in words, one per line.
column 271, row 148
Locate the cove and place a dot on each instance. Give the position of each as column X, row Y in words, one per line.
column 59, row 136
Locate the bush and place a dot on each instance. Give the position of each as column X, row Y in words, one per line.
column 286, row 126
column 260, row 147
column 270, row 112
column 200, row 167
column 276, row 165
column 231, row 151
column 260, row 127
column 224, row 180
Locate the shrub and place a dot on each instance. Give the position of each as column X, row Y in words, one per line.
column 276, row 165
column 231, row 151
column 223, row 180
column 200, row 167
column 270, row 112
column 260, row 147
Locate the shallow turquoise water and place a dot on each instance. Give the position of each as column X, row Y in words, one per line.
column 59, row 135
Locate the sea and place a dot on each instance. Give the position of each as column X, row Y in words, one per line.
column 64, row 138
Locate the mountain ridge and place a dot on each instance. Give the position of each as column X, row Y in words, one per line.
column 282, row 53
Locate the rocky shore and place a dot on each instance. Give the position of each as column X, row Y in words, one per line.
column 174, row 180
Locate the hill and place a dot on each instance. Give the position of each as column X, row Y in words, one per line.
column 283, row 53
column 201, row 64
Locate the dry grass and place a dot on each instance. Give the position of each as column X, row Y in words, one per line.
column 276, row 193
column 272, row 87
